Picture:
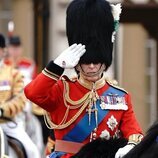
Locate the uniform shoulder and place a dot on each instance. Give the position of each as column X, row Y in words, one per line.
column 114, row 83
column 26, row 61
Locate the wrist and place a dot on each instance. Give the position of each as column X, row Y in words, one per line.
column 54, row 68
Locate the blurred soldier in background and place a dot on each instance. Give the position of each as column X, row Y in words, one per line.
column 12, row 103
column 29, row 70
column 15, row 57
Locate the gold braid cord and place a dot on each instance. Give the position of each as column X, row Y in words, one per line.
column 50, row 145
column 79, row 104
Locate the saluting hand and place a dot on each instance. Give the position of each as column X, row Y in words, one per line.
column 70, row 57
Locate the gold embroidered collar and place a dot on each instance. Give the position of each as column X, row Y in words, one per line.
column 90, row 85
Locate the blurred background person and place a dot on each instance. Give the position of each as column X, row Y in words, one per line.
column 16, row 58
column 12, row 103
column 28, row 68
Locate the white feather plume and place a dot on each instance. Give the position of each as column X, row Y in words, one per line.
column 116, row 11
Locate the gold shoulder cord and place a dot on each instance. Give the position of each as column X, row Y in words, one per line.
column 82, row 104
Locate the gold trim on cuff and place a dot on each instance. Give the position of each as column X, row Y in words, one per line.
column 135, row 138
column 52, row 76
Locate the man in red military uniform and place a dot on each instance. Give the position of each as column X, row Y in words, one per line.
column 87, row 107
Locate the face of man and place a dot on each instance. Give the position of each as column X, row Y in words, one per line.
column 14, row 51
column 92, row 72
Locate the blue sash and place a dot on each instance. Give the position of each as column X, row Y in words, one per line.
column 82, row 130
column 56, row 154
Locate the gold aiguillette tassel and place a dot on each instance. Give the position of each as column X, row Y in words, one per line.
column 89, row 110
column 96, row 115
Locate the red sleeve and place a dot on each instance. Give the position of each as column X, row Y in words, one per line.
column 46, row 90
column 129, row 124
column 40, row 91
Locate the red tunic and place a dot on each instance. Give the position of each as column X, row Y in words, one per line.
column 46, row 90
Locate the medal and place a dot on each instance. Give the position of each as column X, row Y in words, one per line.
column 105, row 135
column 112, row 123
column 113, row 102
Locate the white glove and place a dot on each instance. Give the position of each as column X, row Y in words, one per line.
column 71, row 56
column 123, row 151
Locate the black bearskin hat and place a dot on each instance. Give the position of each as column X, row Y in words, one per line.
column 2, row 41
column 90, row 22
column 15, row 41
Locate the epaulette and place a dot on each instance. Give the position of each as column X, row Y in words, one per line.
column 25, row 61
column 114, row 84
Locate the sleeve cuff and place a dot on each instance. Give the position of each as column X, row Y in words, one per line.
column 135, row 138
column 55, row 69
